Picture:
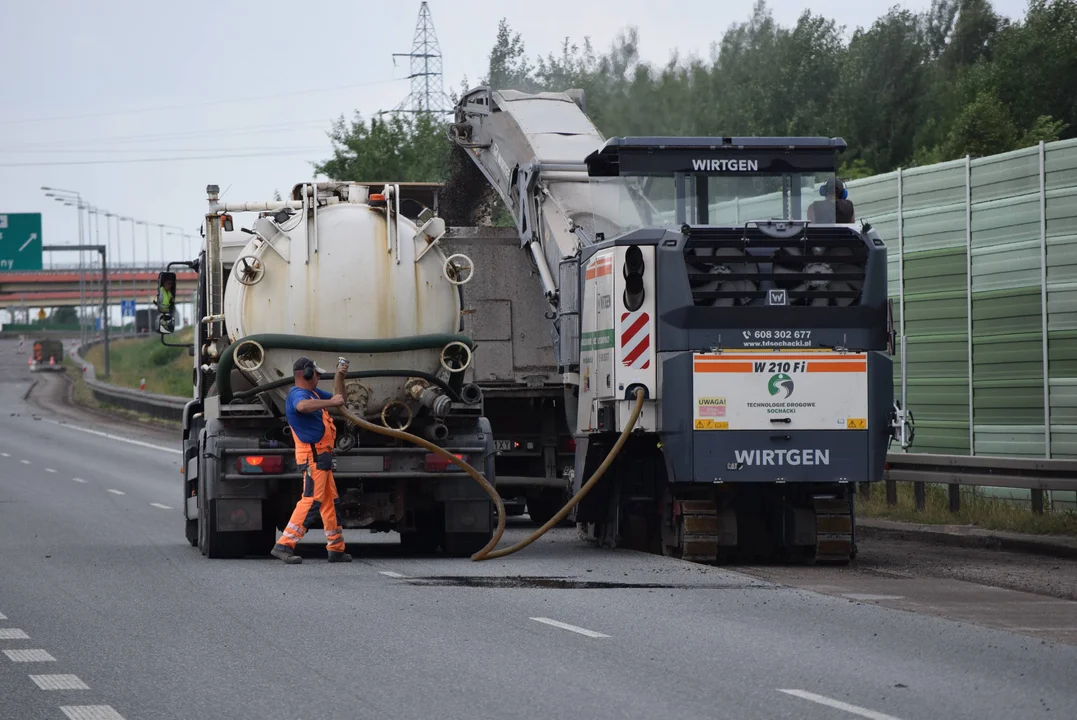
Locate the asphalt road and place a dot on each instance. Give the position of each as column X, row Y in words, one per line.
column 102, row 598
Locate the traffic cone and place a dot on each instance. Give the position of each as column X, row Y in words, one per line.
column 142, row 385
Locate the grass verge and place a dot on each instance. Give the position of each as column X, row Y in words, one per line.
column 167, row 370
column 977, row 509
column 82, row 395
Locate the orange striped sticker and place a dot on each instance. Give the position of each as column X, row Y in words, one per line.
column 723, row 367
column 843, row 367
column 597, row 269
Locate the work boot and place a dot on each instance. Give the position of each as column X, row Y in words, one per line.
column 335, row 556
column 282, row 553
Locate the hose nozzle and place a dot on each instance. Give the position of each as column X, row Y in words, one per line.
column 429, row 397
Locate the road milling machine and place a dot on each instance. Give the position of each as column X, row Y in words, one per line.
column 703, row 273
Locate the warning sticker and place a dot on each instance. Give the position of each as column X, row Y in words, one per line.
column 710, row 407
column 794, row 391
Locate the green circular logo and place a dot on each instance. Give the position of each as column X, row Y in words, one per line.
column 780, row 382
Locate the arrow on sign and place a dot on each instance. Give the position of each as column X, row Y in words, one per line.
column 33, row 236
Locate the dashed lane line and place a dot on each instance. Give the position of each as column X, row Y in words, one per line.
column 117, row 438
column 13, row 634
column 90, row 712
column 78, row 480
column 116, row 492
column 390, row 573
column 5, row 454
column 570, row 628
column 49, row 470
column 29, row 655
column 159, row 505
column 838, row 705
column 25, row 462
column 59, row 682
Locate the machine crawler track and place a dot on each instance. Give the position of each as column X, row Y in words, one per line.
column 833, row 531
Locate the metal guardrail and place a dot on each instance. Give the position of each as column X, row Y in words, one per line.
column 165, row 407
column 954, row 471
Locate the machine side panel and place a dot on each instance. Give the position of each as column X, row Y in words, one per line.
column 503, row 313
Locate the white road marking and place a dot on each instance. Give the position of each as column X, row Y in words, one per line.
column 864, row 596
column 838, row 705
column 25, row 462
column 49, row 470
column 571, row 628
column 59, row 682
column 117, row 438
column 390, row 573
column 29, row 656
column 159, row 505
column 78, row 480
column 3, row 616
column 13, row 634
column 90, row 712
column 116, row 492
column 6, row 454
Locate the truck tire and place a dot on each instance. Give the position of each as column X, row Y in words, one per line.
column 222, row 544
column 543, row 505
column 462, row 544
column 420, row 542
column 212, row 543
column 192, row 532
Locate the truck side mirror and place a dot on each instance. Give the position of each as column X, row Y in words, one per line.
column 165, row 325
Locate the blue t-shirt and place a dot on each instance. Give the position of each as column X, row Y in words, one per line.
column 307, row 427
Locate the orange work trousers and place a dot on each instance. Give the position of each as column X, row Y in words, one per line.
column 319, row 497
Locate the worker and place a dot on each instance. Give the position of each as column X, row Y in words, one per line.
column 836, row 208
column 307, row 410
column 167, row 304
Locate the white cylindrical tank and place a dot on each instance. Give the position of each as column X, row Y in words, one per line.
column 341, row 277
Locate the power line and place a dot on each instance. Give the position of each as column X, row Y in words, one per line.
column 256, row 148
column 235, row 130
column 186, row 106
column 127, row 161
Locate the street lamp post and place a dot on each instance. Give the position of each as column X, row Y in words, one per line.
column 64, row 196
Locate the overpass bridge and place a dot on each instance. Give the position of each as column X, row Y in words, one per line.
column 22, row 290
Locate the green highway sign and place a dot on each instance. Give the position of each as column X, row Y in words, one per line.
column 20, row 241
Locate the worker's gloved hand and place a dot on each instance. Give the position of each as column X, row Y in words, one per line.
column 343, row 364
column 336, row 401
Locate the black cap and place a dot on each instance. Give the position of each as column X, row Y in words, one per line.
column 301, row 364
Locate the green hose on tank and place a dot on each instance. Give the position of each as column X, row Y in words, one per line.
column 307, row 343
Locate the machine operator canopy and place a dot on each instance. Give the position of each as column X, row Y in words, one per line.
column 667, row 182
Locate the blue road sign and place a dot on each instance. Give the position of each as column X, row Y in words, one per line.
column 20, row 241
column 127, row 308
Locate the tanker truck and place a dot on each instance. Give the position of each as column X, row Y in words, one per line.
column 336, row 269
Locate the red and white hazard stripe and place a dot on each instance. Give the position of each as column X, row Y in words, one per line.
column 636, row 340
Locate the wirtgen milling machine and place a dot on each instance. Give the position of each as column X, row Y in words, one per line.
column 703, row 272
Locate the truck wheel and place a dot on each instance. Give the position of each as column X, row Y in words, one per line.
column 192, row 532
column 219, row 544
column 464, row 544
column 419, row 542
column 544, row 505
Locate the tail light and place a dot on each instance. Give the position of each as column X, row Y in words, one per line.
column 436, row 463
column 568, row 445
column 260, row 464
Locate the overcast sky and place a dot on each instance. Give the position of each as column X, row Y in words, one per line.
column 96, row 92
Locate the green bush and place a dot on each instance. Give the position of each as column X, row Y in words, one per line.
column 163, row 355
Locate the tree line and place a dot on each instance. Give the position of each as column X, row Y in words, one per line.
column 912, row 89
